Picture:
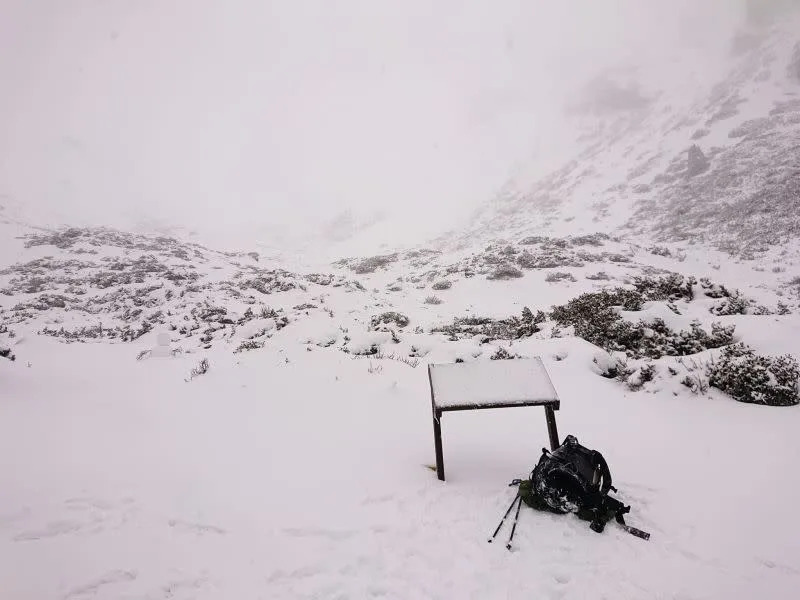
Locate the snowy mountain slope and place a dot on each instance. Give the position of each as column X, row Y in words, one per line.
column 712, row 159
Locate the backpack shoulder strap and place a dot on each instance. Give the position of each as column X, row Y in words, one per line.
column 601, row 463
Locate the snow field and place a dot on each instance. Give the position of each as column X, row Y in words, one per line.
column 307, row 479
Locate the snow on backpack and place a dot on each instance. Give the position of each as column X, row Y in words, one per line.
column 572, row 479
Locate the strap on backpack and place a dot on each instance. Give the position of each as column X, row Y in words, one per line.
column 601, row 463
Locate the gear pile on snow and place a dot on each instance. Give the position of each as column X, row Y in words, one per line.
column 571, row 479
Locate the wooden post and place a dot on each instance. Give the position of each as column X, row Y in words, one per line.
column 437, row 443
column 437, row 430
column 552, row 430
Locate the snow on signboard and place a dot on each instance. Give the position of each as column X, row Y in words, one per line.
column 487, row 382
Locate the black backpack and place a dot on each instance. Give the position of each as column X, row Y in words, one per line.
column 575, row 479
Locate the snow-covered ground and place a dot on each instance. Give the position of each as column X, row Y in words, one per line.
column 289, row 473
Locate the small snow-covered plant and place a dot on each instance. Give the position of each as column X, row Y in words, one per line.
column 143, row 354
column 670, row 287
column 735, row 304
column 442, row 285
column 660, row 251
column 201, row 369
column 641, row 376
column 388, row 318
column 782, row 309
column 757, row 379
column 696, row 383
column 612, row 367
column 372, row 369
column 433, row 300
column 599, row 276
column 505, row 271
column 713, row 290
column 248, row 345
column 371, row 264
column 502, row 354
column 406, row 360
column 555, row 276
column 6, row 353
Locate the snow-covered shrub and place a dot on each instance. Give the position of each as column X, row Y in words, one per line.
column 490, row 329
column 502, row 354
column 433, row 300
column 599, row 276
column 669, row 287
column 594, row 318
column 612, row 367
column 735, row 304
column 555, row 276
column 5, row 351
column 201, row 369
column 505, row 271
column 660, row 251
column 641, row 376
column 713, row 290
column 442, row 285
column 696, row 383
column 593, row 239
column 248, row 345
column 592, row 314
column 750, row 377
column 371, row 264
column 388, row 318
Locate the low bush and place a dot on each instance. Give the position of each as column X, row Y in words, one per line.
column 555, row 276
column 388, row 318
column 595, row 318
column 491, row 329
column 669, row 287
column 753, row 378
column 505, row 271
column 735, row 304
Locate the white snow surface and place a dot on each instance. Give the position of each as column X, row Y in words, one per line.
column 491, row 382
column 307, row 479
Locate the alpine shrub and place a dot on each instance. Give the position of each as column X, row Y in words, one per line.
column 750, row 377
column 594, row 318
column 490, row 329
column 593, row 314
column 388, row 318
column 735, row 304
column 505, row 272
column 669, row 287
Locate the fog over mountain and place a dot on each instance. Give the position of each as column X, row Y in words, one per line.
column 269, row 120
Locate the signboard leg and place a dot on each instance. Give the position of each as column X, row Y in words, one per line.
column 437, row 442
column 552, row 430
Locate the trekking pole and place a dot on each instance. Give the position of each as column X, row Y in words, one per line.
column 503, row 520
column 514, row 528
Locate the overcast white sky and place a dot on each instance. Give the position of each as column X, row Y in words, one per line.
column 221, row 114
